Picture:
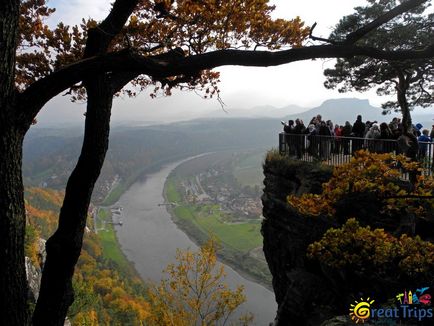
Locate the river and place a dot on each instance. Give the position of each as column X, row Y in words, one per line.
column 149, row 238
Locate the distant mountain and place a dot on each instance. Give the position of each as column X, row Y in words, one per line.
column 264, row 111
column 344, row 109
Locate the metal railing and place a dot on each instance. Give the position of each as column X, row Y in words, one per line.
column 339, row 150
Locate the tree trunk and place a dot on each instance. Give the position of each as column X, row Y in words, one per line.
column 13, row 285
column 409, row 142
column 63, row 248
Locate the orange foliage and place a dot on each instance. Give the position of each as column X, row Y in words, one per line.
column 103, row 296
column 193, row 26
column 369, row 172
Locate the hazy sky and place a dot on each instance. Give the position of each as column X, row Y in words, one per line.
column 298, row 83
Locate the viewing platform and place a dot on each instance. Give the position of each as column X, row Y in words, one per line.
column 338, row 150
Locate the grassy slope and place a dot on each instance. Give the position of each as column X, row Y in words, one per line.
column 248, row 171
column 110, row 245
column 242, row 237
column 237, row 239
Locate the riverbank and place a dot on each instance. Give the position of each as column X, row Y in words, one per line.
column 150, row 239
column 111, row 247
column 237, row 241
column 249, row 267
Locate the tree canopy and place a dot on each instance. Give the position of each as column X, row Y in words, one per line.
column 166, row 43
column 194, row 292
column 412, row 79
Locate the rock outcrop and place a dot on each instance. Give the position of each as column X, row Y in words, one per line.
column 299, row 288
column 34, row 272
column 307, row 292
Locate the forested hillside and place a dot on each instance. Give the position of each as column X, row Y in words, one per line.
column 105, row 294
column 50, row 155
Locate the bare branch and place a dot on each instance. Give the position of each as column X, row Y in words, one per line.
column 320, row 39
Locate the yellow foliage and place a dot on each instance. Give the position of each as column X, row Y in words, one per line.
column 102, row 295
column 369, row 172
column 87, row 318
column 194, row 292
column 375, row 251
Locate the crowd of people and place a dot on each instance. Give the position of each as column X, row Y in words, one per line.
column 346, row 139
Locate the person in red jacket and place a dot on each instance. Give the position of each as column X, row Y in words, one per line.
column 338, row 134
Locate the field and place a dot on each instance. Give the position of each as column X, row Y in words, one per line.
column 240, row 237
column 248, row 169
column 110, row 246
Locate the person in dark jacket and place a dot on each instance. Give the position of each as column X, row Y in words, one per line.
column 346, row 132
column 386, row 135
column 299, row 131
column 312, row 140
column 359, row 132
column 324, row 146
column 288, row 128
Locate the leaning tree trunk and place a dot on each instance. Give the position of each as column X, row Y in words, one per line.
column 63, row 248
column 411, row 147
column 13, row 285
column 408, row 141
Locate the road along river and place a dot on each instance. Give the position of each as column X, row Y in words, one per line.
column 149, row 239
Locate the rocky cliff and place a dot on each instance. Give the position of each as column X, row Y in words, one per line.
column 308, row 292
column 34, row 272
column 287, row 234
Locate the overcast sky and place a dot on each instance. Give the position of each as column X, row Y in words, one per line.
column 299, row 83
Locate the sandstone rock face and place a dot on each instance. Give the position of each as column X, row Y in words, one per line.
column 34, row 272
column 298, row 285
column 309, row 293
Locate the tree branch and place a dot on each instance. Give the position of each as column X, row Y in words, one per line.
column 100, row 37
column 402, row 8
column 46, row 88
column 320, row 39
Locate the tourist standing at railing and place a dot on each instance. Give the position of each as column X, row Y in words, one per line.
column 312, row 140
column 329, row 124
column 368, row 125
column 338, row 133
column 288, row 128
column 346, row 132
column 324, row 145
column 299, row 131
column 359, row 132
column 393, row 125
column 386, row 134
column 423, row 140
column 417, row 129
column 432, row 132
column 372, row 139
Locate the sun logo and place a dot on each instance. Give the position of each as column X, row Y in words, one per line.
column 361, row 311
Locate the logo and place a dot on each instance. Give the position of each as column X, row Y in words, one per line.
column 361, row 311
column 417, row 297
column 414, row 305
